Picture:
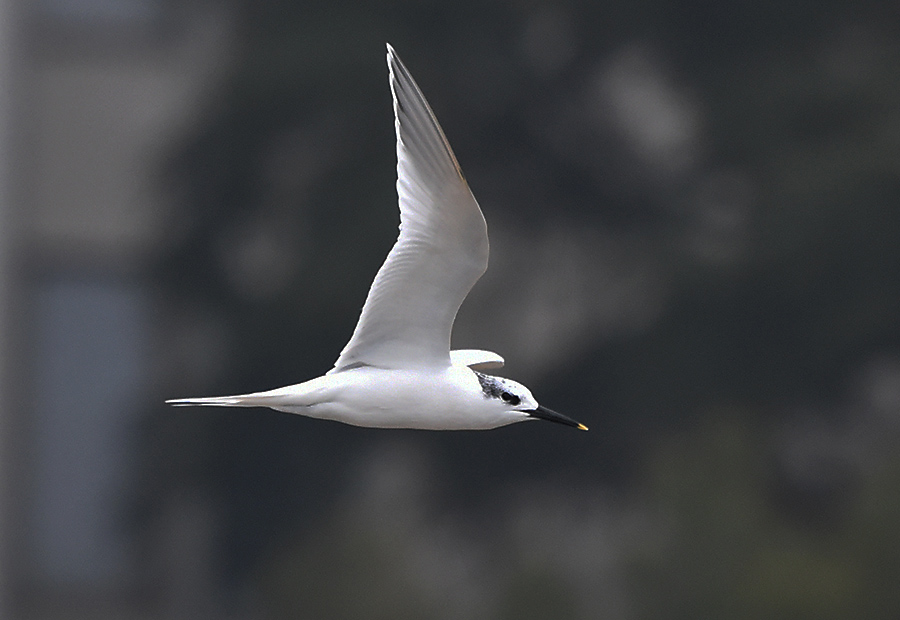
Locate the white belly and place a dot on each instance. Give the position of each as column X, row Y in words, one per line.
column 449, row 399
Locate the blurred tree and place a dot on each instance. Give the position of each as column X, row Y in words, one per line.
column 772, row 247
column 728, row 552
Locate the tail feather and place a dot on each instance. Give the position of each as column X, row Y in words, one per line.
column 289, row 396
column 245, row 400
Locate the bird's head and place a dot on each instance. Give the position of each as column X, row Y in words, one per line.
column 516, row 398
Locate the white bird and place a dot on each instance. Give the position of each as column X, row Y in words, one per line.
column 398, row 371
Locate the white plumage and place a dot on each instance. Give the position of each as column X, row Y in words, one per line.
column 397, row 370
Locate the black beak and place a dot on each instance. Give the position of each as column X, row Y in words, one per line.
column 551, row 416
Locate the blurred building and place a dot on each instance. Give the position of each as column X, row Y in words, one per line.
column 93, row 94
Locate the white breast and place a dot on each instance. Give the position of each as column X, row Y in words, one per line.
column 448, row 399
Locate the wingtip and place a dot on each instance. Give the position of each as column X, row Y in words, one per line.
column 392, row 62
column 391, row 54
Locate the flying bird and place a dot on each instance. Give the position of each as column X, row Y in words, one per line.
column 397, row 370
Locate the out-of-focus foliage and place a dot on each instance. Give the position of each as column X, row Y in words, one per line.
column 734, row 549
column 723, row 180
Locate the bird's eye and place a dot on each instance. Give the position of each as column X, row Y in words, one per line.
column 512, row 399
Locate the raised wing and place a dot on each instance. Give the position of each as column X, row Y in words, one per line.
column 476, row 359
column 441, row 252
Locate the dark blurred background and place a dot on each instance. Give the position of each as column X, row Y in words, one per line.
column 694, row 212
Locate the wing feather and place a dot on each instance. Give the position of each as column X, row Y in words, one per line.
column 441, row 252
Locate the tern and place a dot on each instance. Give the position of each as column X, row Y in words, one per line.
column 397, row 370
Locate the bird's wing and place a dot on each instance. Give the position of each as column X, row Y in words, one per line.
column 441, row 252
column 476, row 359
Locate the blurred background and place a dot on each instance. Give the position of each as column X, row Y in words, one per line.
column 694, row 212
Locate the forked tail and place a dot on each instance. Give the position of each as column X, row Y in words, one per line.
column 245, row 400
column 289, row 397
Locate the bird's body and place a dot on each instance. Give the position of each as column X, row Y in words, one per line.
column 397, row 370
column 436, row 399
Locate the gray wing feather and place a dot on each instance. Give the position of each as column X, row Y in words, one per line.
column 441, row 252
